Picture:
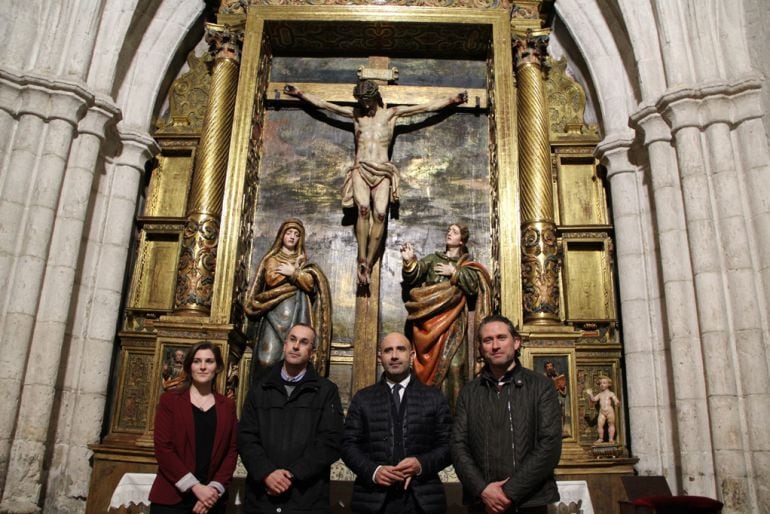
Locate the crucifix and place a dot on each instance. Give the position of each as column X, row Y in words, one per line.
column 372, row 181
column 371, row 184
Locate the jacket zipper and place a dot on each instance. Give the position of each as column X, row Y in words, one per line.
column 513, row 443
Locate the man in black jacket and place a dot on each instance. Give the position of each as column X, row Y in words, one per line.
column 290, row 433
column 506, row 440
column 397, row 438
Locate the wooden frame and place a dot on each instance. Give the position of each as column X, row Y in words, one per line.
column 563, row 359
column 497, row 20
column 155, row 269
column 588, row 371
column 587, row 281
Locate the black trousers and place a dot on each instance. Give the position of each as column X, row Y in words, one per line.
column 184, row 507
column 533, row 510
column 399, row 501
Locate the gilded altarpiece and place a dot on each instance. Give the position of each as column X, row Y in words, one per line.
column 287, row 160
column 448, row 161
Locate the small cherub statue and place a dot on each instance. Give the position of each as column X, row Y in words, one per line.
column 605, row 397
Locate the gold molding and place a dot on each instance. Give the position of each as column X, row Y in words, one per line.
column 445, row 4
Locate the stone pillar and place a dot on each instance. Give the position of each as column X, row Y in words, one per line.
column 725, row 205
column 646, row 357
column 753, row 157
column 91, row 333
column 47, row 345
column 48, row 114
column 540, row 261
column 195, row 278
column 684, row 346
column 733, row 356
column 727, row 283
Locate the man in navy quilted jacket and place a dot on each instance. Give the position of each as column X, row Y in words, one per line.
column 397, row 438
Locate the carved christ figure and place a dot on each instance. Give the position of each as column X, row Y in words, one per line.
column 372, row 181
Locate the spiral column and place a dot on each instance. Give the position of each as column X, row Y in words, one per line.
column 540, row 250
column 197, row 261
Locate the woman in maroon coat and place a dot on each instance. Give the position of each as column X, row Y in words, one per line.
column 195, row 440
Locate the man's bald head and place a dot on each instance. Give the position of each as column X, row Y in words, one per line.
column 395, row 354
column 394, row 337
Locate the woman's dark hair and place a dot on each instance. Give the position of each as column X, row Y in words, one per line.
column 188, row 360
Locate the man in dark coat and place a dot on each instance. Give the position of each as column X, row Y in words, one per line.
column 506, row 439
column 290, row 433
column 397, row 438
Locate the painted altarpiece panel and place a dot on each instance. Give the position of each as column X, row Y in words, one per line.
column 444, row 179
column 558, row 364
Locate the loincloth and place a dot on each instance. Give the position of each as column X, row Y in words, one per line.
column 372, row 174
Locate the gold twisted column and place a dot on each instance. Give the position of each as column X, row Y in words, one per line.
column 540, row 252
column 197, row 262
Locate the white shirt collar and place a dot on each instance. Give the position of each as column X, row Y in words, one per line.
column 287, row 378
column 403, row 383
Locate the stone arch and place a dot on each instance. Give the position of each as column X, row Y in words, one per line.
column 148, row 65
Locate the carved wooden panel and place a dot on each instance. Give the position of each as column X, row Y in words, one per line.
column 155, row 272
column 169, row 183
column 133, row 390
column 582, row 198
column 589, row 370
column 587, row 275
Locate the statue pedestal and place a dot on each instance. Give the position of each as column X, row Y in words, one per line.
column 607, row 450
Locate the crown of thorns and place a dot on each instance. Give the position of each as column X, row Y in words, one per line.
column 366, row 89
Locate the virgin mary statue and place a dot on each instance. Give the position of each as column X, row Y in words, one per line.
column 288, row 290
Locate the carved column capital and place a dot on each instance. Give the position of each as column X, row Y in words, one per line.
column 530, row 47
column 651, row 124
column 225, row 41
column 99, row 117
column 233, row 6
column 615, row 151
column 136, row 147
